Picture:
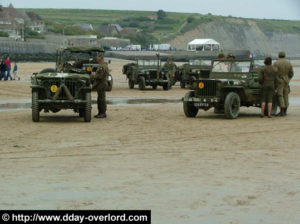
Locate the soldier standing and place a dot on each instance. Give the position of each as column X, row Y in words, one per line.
column 285, row 74
column 171, row 69
column 100, row 84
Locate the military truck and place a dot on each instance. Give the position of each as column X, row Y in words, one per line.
column 231, row 84
column 146, row 71
column 66, row 87
column 188, row 73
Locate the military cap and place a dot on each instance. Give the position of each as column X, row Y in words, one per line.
column 281, row 54
column 221, row 55
column 169, row 58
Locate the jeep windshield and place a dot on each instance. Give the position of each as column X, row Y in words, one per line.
column 148, row 62
column 72, row 57
column 200, row 62
column 231, row 66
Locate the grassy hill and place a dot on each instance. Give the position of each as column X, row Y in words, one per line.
column 149, row 30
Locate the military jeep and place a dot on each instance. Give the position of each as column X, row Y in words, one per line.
column 196, row 68
column 231, row 84
column 81, row 60
column 66, row 87
column 146, row 71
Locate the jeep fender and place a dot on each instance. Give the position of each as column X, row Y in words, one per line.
column 237, row 89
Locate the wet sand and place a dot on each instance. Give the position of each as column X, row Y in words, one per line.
column 150, row 156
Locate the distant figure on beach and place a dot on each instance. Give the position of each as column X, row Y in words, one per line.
column 15, row 72
column 8, row 68
column 2, row 70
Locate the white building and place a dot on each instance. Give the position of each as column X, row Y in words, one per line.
column 203, row 45
column 161, row 47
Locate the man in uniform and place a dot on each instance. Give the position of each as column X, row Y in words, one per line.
column 170, row 67
column 220, row 66
column 100, row 85
column 285, row 74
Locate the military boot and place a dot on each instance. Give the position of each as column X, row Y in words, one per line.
column 101, row 115
column 281, row 113
column 284, row 111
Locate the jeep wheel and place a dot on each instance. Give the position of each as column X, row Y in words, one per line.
column 182, row 84
column 142, row 83
column 81, row 112
column 130, row 83
column 232, row 105
column 88, row 107
column 275, row 103
column 154, row 86
column 166, row 86
column 189, row 109
column 35, row 107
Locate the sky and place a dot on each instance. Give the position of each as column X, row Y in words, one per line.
column 264, row 9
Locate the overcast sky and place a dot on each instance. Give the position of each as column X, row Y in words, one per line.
column 269, row 9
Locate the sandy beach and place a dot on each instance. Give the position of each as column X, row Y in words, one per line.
column 150, row 156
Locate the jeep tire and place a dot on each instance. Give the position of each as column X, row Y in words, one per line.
column 35, row 107
column 142, row 83
column 232, row 105
column 88, row 107
column 166, row 86
column 182, row 84
column 189, row 109
column 130, row 83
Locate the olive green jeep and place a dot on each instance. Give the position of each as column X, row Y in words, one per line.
column 147, row 71
column 231, row 84
column 68, row 86
column 81, row 60
column 196, row 68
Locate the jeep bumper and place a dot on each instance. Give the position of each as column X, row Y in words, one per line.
column 62, row 101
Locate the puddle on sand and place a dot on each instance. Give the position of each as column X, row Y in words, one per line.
column 116, row 101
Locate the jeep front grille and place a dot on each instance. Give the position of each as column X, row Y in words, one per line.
column 209, row 88
column 71, row 85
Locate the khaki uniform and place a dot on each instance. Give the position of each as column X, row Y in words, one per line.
column 285, row 74
column 100, row 84
column 269, row 81
column 171, row 68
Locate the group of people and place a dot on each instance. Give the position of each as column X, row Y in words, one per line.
column 275, row 80
column 5, row 69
